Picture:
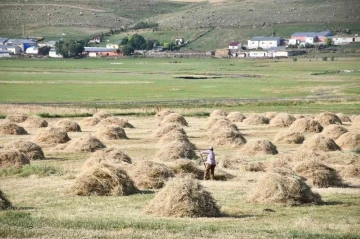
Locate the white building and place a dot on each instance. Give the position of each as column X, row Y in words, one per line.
column 4, row 53
column 16, row 50
column 52, row 54
column 258, row 54
column 264, row 42
column 234, row 45
column 32, row 50
column 342, row 40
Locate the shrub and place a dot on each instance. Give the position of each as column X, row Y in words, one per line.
column 294, row 59
column 325, row 58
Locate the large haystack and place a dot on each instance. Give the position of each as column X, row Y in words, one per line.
column 319, row 143
column 68, row 125
column 236, row 117
column 108, row 156
column 356, row 122
column 343, row 117
column 259, row 147
column 318, row 174
column 165, row 129
column 111, row 133
column 103, row 180
column 162, row 114
column 274, row 188
column 327, row 118
column 51, row 135
column 181, row 166
column 218, row 123
column 256, row 119
column 183, row 197
column 176, row 150
column 349, row 141
column 282, row 120
column 226, row 136
column 216, row 113
column 306, row 125
column 270, row 115
column 102, row 115
column 123, row 123
column 30, row 149
column 174, row 118
column 289, row 137
column 90, row 121
column 84, row 144
column 5, row 204
column 212, row 121
column 12, row 129
column 150, row 175
column 16, row 117
column 334, row 131
column 175, row 135
column 35, row 122
column 12, row 158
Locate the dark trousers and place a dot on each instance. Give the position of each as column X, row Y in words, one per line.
column 209, row 169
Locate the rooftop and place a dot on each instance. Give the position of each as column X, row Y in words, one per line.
column 234, row 43
column 312, row 34
column 98, row 49
column 266, row 38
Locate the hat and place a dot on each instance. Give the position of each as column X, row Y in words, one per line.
column 211, row 147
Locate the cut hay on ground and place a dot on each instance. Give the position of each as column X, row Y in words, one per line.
column 235, row 117
column 289, row 137
column 327, row 118
column 108, row 156
column 176, row 136
column 68, row 125
column 270, row 115
column 306, row 125
column 351, row 171
column 165, row 129
column 103, row 180
column 334, row 131
column 17, row 117
column 30, row 149
column 217, row 113
column 181, row 166
column 343, row 118
column 274, row 188
column 174, row 118
column 84, row 144
column 319, row 143
column 52, row 135
column 111, row 121
column 176, row 150
column 318, row 174
column 349, row 141
column 102, row 115
column 226, row 136
column 256, row 119
column 162, row 114
column 282, row 120
column 216, row 123
column 5, row 204
column 35, row 122
column 183, row 197
column 12, row 129
column 111, row 133
column 12, row 158
column 90, row 121
column 150, row 175
column 259, row 147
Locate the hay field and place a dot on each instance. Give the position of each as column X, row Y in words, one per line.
column 47, row 209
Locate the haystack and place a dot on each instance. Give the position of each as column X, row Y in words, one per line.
column 327, row 118
column 150, row 175
column 51, row 135
column 165, row 129
column 289, row 137
column 90, row 121
column 84, row 144
column 217, row 123
column 343, row 117
column 123, row 123
column 68, row 125
column 334, row 131
column 12, row 158
column 174, row 118
column 35, row 122
column 274, row 188
column 108, row 156
column 181, row 166
column 30, row 149
column 4, row 202
column 282, row 120
column 226, row 136
column 217, row 113
column 183, row 197
column 256, row 119
column 318, row 174
column 259, row 147
column 236, row 117
column 175, row 135
column 349, row 141
column 102, row 115
column 103, row 180
column 12, row 129
column 305, row 125
column 351, row 171
column 356, row 122
column 319, row 143
column 212, row 121
column 17, row 117
column 270, row 115
column 111, row 133
column 162, row 114
column 176, row 150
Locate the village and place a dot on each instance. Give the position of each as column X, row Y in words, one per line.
column 257, row 47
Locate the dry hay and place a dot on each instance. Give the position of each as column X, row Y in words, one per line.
column 123, row 123
column 226, row 136
column 183, row 197
column 111, row 133
column 17, row 117
column 216, row 123
column 235, row 117
column 212, row 121
column 275, row 188
column 253, row 167
column 181, row 166
column 306, row 125
column 175, row 135
column 109, row 156
column 356, row 122
column 299, row 116
column 84, row 144
column 12, row 129
column 30, row 149
column 150, row 175
column 270, row 115
column 259, row 147
column 176, row 150
column 351, row 171
column 103, row 180
column 282, row 120
column 256, row 119
column 278, row 166
column 4, row 202
column 35, row 122
column 327, row 118
column 52, row 135
column 343, row 118
column 319, row 143
column 318, row 174
column 331, row 157
column 68, row 125
column 90, row 121
column 12, row 158
column 349, row 140
column 289, row 137
column 217, row 113
column 174, row 118
column 165, row 129
column 334, row 131
column 162, row 114
column 102, row 115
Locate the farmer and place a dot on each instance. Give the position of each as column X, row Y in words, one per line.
column 210, row 163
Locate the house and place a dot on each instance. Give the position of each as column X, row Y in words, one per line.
column 23, row 43
column 312, row 37
column 16, row 50
column 33, row 50
column 258, row 54
column 339, row 40
column 100, row 51
column 283, row 52
column 52, row 54
column 264, row 42
column 3, row 40
column 4, row 53
column 234, row 45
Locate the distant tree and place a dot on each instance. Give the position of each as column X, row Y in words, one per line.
column 150, row 44
column 69, row 48
column 124, row 41
column 138, row 42
column 328, row 42
column 127, row 50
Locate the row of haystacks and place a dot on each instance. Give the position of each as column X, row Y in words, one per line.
column 103, row 118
